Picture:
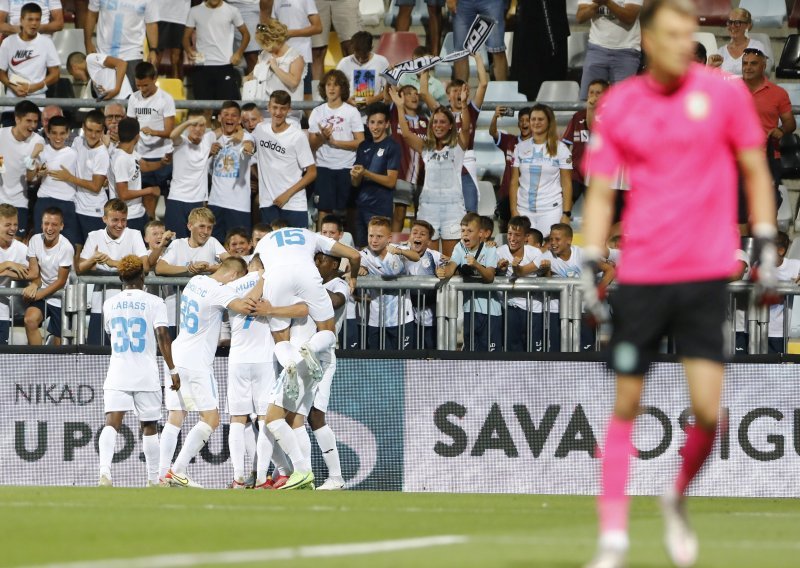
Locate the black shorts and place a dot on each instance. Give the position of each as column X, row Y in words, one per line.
column 170, row 35
column 693, row 313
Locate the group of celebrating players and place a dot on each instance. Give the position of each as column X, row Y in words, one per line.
column 280, row 367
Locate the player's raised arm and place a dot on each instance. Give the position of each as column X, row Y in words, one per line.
column 165, row 346
column 351, row 254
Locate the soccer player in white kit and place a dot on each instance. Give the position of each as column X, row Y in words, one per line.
column 251, row 377
column 135, row 320
column 203, row 301
column 289, row 271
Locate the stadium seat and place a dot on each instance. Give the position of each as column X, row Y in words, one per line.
column 445, row 70
column 68, row 41
column 487, row 199
column 334, row 54
column 766, row 13
column 794, row 91
column 397, row 46
column 561, row 91
column 767, row 43
column 785, row 210
column 708, row 40
column 175, row 88
column 371, row 12
column 794, row 15
column 572, row 11
column 576, row 49
column 789, row 63
column 790, row 156
column 713, row 12
column 489, row 158
column 501, row 91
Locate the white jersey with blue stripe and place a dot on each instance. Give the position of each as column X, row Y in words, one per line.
column 292, row 249
column 251, row 340
column 540, row 175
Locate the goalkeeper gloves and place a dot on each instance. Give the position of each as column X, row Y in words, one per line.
column 593, row 295
column 765, row 263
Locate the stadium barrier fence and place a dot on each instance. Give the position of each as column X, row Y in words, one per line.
column 17, row 306
column 434, row 424
column 448, row 299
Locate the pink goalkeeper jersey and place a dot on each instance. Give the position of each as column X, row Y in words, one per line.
column 679, row 152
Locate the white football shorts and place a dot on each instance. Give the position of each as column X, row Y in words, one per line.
column 146, row 404
column 281, row 287
column 198, row 390
column 249, row 385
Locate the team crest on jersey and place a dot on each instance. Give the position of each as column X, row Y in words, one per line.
column 380, row 152
column 698, row 105
column 423, row 124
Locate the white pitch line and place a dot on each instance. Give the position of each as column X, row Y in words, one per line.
column 245, row 556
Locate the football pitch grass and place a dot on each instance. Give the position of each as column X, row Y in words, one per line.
column 184, row 527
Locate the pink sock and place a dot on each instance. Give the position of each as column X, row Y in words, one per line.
column 699, row 442
column 612, row 504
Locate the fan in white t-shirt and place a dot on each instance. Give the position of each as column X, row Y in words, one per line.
column 128, row 176
column 11, row 11
column 122, row 27
column 107, row 74
column 363, row 70
column 154, row 108
column 302, row 19
column 91, row 172
column 189, row 189
column 283, row 150
column 29, row 62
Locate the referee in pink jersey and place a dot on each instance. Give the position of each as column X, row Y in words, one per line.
column 679, row 131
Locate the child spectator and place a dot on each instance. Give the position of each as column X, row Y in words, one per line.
column 508, row 143
column 363, row 71
column 437, row 94
column 577, row 134
column 106, row 74
column 441, row 202
column 385, row 315
column 11, row 15
column 92, row 163
column 375, row 171
column 17, row 144
column 57, row 167
column 350, row 336
column 199, row 253
column 189, row 188
column 487, row 228
column 515, row 260
column 237, row 243
column 408, row 176
column 260, row 230
column 154, row 108
column 102, row 252
column 429, row 261
column 13, row 263
column 535, row 238
column 29, row 62
column 564, row 260
column 157, row 238
column 476, row 262
column 50, row 258
column 127, row 175
column 788, row 271
column 335, row 131
column 229, row 198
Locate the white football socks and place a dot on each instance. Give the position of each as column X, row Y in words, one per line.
column 197, row 438
column 264, row 451
column 322, row 341
column 151, row 456
column 250, row 441
column 288, row 442
column 303, row 441
column 169, row 440
column 236, row 443
column 287, row 353
column 106, row 443
column 281, row 460
column 326, row 441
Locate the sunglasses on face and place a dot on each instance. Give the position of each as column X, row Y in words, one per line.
column 261, row 27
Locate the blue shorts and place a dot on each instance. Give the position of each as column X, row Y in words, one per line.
column 161, row 178
column 465, row 15
column 176, row 216
column 307, row 81
column 333, row 188
column 87, row 224
column 138, row 224
column 5, row 328
column 227, row 219
column 71, row 228
column 439, row 3
column 53, row 312
column 294, row 218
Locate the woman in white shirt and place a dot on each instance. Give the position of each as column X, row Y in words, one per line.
column 280, row 66
column 541, row 175
column 729, row 58
column 441, row 202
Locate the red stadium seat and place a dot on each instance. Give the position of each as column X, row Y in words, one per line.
column 397, row 46
column 794, row 15
column 713, row 12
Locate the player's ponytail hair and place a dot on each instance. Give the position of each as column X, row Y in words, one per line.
column 552, row 128
column 130, row 268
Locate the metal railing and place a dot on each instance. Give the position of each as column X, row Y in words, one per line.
column 447, row 301
column 68, row 306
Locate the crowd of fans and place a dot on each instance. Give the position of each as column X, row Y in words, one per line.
column 82, row 198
